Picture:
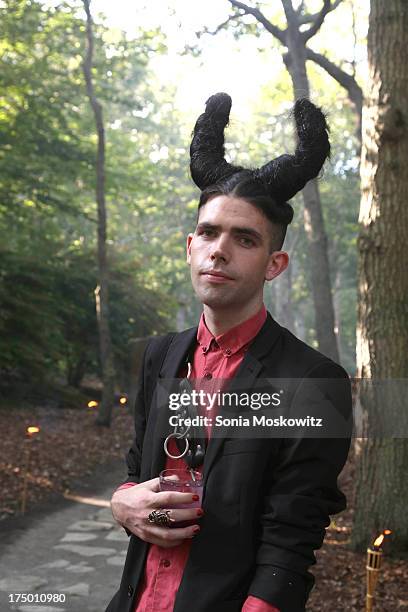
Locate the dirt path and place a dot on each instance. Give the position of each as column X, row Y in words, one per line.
column 72, row 550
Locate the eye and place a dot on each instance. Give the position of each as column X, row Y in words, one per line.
column 246, row 242
column 206, row 232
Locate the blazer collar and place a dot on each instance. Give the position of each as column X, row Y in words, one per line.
column 177, row 352
column 185, row 341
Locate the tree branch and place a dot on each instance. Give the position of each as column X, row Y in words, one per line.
column 307, row 18
column 319, row 18
column 353, row 63
column 220, row 27
column 345, row 80
column 300, row 8
column 272, row 29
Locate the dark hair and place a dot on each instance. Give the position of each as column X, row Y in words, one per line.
column 269, row 187
column 243, row 185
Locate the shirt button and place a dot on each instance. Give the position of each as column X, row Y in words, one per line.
column 208, row 375
column 166, row 563
column 228, row 352
column 130, row 591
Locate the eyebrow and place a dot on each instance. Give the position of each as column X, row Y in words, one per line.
column 241, row 231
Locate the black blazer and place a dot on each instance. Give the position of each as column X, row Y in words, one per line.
column 266, row 501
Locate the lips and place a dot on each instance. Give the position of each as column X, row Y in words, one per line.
column 216, row 275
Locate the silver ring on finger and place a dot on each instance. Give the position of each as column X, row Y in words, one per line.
column 160, row 517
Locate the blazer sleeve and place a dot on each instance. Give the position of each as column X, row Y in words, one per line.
column 300, row 493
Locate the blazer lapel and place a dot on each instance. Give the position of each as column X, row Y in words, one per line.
column 248, row 372
column 173, row 361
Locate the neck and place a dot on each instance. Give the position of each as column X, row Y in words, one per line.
column 219, row 321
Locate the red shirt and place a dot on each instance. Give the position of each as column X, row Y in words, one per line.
column 215, row 359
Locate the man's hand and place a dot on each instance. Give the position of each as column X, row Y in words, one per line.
column 131, row 508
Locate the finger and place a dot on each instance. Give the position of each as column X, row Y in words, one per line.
column 177, row 515
column 173, row 498
column 172, row 477
column 146, row 536
column 171, row 535
column 152, row 485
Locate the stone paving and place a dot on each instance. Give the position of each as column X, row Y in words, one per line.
column 77, row 551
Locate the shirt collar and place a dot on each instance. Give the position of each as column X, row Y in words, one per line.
column 235, row 338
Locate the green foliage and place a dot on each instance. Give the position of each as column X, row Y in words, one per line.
column 47, row 317
column 40, row 86
column 29, row 322
column 47, row 201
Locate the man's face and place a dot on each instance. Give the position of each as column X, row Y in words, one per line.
column 229, row 254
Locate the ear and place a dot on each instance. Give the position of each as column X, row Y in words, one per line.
column 277, row 263
column 189, row 239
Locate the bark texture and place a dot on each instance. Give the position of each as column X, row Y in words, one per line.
column 382, row 333
column 102, row 290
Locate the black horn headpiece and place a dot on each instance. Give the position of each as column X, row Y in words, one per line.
column 285, row 175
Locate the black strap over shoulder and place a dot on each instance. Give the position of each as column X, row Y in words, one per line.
column 197, row 438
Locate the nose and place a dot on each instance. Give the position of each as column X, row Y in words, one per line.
column 220, row 250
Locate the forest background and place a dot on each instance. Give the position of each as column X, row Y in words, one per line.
column 152, row 80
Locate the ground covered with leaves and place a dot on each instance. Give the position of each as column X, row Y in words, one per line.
column 69, row 447
column 341, row 573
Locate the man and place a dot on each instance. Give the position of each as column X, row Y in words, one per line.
column 266, row 500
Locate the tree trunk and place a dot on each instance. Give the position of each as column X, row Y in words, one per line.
column 281, row 289
column 319, row 271
column 302, row 307
column 313, row 217
column 337, row 312
column 382, row 332
column 181, row 317
column 283, row 300
column 76, row 371
column 102, row 290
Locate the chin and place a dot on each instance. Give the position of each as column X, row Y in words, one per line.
column 219, row 297
column 218, row 301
